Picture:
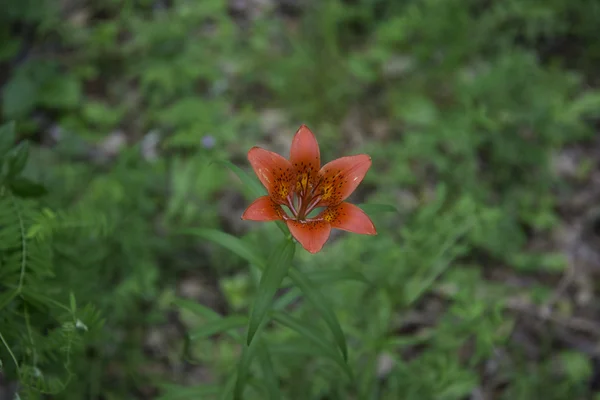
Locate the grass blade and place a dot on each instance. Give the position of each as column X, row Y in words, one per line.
column 229, row 387
column 196, row 308
column 209, row 314
column 248, row 354
column 283, row 301
column 270, row 378
column 175, row 392
column 323, row 277
column 315, row 337
column 230, row 242
column 277, row 268
column 218, row 325
column 320, row 303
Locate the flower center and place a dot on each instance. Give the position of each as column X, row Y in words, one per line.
column 303, row 200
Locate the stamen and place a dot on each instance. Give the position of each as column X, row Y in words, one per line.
column 291, row 205
column 312, row 204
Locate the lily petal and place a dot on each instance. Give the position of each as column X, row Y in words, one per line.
column 348, row 217
column 305, row 158
column 312, row 235
column 263, row 209
column 274, row 172
column 340, row 177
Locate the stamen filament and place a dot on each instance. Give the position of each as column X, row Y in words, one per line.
column 291, row 205
column 313, row 204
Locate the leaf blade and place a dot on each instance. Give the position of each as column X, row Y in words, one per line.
column 276, row 269
column 315, row 337
column 248, row 354
column 218, row 325
column 322, row 277
column 230, row 242
column 7, row 137
column 320, row 303
column 176, row 392
column 210, row 314
column 266, row 364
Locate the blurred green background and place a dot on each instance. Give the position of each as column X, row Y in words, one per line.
column 482, row 120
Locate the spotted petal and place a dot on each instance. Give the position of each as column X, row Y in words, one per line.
column 340, row 177
column 274, row 172
column 312, row 235
column 263, row 209
column 348, row 217
column 305, row 158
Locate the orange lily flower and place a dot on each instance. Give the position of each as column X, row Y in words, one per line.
column 301, row 186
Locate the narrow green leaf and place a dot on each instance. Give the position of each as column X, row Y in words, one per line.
column 176, row 392
column 196, row 308
column 7, row 297
column 277, row 268
column 24, row 187
column 17, row 159
column 248, row 354
column 269, row 376
column 316, row 337
column 320, row 303
column 377, row 208
column 218, row 325
column 283, row 301
column 73, row 303
column 7, row 137
column 255, row 188
column 209, row 314
column 441, row 264
column 229, row 387
column 231, row 243
column 320, row 278
column 324, row 277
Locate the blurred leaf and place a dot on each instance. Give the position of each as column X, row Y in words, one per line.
column 61, row 92
column 327, row 276
column 316, row 337
column 218, row 325
column 288, row 298
column 377, row 208
column 73, row 303
column 587, row 105
column 196, row 308
column 576, row 366
column 7, row 297
column 25, row 187
column 210, row 314
column 277, row 268
column 228, row 389
column 253, row 187
column 229, row 242
column 248, row 354
column 175, row 392
column 320, row 303
column 7, row 137
column 266, row 364
column 17, row 159
column 19, row 96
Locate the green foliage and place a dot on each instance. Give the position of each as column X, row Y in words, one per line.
column 41, row 333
